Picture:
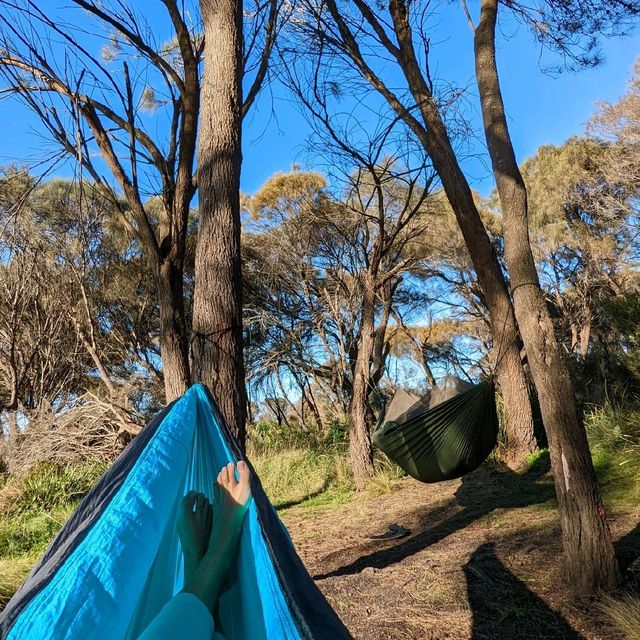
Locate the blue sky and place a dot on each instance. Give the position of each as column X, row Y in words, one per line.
column 542, row 108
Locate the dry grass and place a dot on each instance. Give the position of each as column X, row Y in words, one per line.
column 625, row 615
column 12, row 573
column 93, row 430
column 296, row 476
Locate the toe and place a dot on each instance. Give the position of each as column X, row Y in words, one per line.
column 245, row 473
column 223, row 477
column 231, row 470
column 189, row 500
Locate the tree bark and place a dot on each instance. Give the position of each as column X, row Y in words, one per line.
column 360, row 449
column 585, row 334
column 217, row 305
column 589, row 554
column 510, row 373
column 174, row 341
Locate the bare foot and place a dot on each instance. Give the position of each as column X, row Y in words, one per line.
column 231, row 502
column 194, row 528
column 230, row 506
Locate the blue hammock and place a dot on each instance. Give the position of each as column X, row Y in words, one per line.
column 117, row 561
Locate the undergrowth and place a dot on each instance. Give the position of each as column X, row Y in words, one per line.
column 614, row 437
column 624, row 613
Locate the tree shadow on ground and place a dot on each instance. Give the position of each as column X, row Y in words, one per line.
column 280, row 506
column 480, row 493
column 628, row 553
column 503, row 607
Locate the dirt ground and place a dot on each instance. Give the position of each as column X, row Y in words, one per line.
column 483, row 561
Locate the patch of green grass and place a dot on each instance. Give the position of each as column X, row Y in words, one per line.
column 48, row 486
column 30, row 533
column 333, row 497
column 297, row 476
column 13, row 571
column 538, row 461
column 619, row 478
column 614, row 437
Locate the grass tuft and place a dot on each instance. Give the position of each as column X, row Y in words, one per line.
column 614, row 437
column 624, row 613
column 294, row 477
column 12, row 574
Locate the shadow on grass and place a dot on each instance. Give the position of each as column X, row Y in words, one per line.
column 280, row 506
column 480, row 493
column 503, row 606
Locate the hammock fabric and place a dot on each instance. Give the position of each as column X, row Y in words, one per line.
column 445, row 441
column 117, row 561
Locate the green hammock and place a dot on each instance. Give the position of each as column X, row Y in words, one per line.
column 444, row 441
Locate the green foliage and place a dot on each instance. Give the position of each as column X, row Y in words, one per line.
column 36, row 505
column 48, row 486
column 30, row 534
column 267, row 436
column 614, row 427
column 614, row 436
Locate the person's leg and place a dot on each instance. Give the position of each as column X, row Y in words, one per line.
column 230, row 507
column 189, row 614
column 184, row 616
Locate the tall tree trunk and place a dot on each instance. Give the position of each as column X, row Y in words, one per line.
column 510, row 373
column 217, row 304
column 360, row 448
column 174, row 341
column 589, row 554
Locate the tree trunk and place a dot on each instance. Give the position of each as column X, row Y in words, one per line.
column 174, row 342
column 510, row 373
column 217, row 304
column 360, row 448
column 589, row 554
column 585, row 334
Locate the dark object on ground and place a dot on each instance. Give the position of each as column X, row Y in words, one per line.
column 393, row 532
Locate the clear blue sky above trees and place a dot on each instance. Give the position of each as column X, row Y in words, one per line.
column 543, row 107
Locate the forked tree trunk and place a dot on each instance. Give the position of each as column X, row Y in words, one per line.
column 174, row 341
column 217, row 304
column 589, row 554
column 360, row 448
column 510, row 373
